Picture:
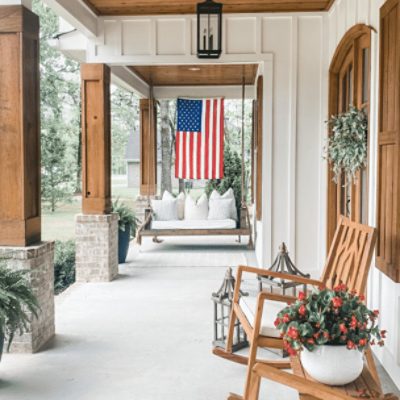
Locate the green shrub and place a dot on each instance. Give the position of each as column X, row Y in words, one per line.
column 127, row 217
column 17, row 302
column 232, row 177
column 64, row 265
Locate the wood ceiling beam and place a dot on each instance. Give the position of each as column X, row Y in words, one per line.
column 155, row 7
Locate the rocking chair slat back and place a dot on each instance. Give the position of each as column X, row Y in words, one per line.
column 350, row 256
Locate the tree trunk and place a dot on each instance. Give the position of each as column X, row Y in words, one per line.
column 166, row 159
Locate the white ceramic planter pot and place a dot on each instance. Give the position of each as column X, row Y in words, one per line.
column 333, row 365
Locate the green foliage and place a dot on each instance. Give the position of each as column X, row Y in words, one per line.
column 60, row 115
column 127, row 217
column 347, row 146
column 64, row 265
column 17, row 302
column 232, row 177
column 125, row 119
column 332, row 317
column 57, row 177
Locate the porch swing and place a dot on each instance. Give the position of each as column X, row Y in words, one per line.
column 243, row 226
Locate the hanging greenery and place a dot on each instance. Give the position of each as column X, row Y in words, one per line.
column 347, row 146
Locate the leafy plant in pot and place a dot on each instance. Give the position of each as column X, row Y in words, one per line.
column 330, row 329
column 127, row 226
column 17, row 304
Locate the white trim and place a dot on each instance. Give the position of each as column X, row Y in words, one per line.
column 267, row 198
column 229, row 92
column 293, row 141
column 76, row 14
column 126, row 78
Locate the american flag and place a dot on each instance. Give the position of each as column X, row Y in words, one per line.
column 199, row 145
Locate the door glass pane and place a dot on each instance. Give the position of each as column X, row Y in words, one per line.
column 344, row 94
column 350, row 80
column 365, row 75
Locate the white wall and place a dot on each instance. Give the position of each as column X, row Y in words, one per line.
column 383, row 293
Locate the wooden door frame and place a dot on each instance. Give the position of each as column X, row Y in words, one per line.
column 345, row 46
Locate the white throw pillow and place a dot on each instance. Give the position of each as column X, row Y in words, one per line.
column 180, row 202
column 227, row 195
column 165, row 210
column 220, row 209
column 196, row 211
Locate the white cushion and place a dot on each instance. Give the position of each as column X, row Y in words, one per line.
column 196, row 211
column 180, row 202
column 220, row 208
column 199, row 224
column 165, row 210
column 270, row 311
column 229, row 194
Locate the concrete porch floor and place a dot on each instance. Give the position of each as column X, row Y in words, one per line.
column 145, row 336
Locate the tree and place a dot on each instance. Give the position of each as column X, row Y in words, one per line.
column 60, row 115
column 166, row 146
column 57, row 178
column 124, row 120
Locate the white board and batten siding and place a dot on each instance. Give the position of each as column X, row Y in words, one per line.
column 383, row 293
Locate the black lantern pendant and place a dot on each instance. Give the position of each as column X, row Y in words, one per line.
column 223, row 300
column 209, row 29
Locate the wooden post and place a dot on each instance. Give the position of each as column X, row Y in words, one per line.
column 96, row 139
column 20, row 215
column 148, row 148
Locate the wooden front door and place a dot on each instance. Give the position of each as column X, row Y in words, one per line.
column 349, row 84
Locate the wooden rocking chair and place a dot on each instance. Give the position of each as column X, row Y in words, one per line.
column 310, row 390
column 348, row 262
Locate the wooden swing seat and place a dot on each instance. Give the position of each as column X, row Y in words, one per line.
column 244, row 229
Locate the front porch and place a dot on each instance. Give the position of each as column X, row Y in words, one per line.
column 101, row 351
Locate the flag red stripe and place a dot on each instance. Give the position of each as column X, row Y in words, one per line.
column 222, row 135
column 184, row 138
column 214, row 133
column 198, row 155
column 207, row 131
column 191, row 154
column 177, row 155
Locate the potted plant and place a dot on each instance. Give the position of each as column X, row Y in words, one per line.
column 127, row 226
column 17, row 304
column 330, row 329
column 347, row 146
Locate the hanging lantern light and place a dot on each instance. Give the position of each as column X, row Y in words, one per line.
column 223, row 301
column 209, row 29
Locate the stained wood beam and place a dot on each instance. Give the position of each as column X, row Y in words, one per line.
column 20, row 215
column 155, row 7
column 96, row 139
column 148, row 148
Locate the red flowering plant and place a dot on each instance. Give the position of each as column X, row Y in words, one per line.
column 331, row 317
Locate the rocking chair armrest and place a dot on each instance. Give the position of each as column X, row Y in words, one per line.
column 286, row 277
column 282, row 298
column 315, row 389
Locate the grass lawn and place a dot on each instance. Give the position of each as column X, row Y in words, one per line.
column 60, row 225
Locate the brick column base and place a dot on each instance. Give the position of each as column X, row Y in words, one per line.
column 39, row 260
column 96, row 247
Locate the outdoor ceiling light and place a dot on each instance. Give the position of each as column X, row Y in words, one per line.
column 209, row 29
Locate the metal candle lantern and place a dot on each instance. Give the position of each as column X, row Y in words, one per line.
column 223, row 300
column 283, row 264
column 209, row 29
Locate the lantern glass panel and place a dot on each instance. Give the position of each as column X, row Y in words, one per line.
column 208, row 32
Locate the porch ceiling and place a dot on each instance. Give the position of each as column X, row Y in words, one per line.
column 157, row 7
column 197, row 75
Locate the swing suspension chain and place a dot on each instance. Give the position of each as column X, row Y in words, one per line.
column 243, row 146
column 151, row 111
